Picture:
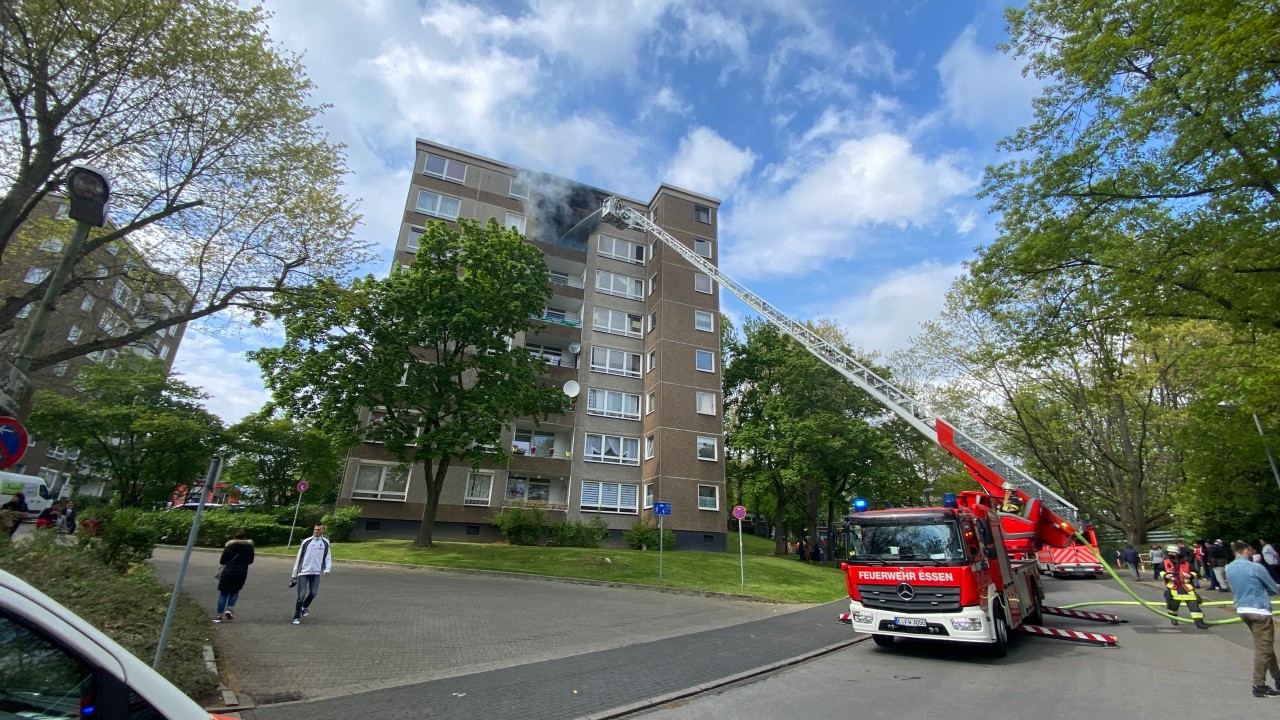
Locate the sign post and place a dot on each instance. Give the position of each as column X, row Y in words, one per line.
column 215, row 470
column 740, row 512
column 302, row 487
column 661, row 509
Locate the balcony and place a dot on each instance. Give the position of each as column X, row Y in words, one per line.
column 573, row 321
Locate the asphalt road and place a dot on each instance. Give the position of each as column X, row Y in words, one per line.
column 1156, row 672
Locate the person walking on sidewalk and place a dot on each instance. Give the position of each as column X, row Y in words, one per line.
column 1157, row 562
column 237, row 556
column 1219, row 557
column 313, row 561
column 1178, row 577
column 1130, row 556
column 1251, row 588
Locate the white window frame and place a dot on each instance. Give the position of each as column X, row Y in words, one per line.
column 617, row 322
column 53, row 246
column 516, row 221
column 701, row 397
column 653, row 283
column 601, row 491
column 700, row 279
column 611, row 283
column 526, row 484
column 533, row 442
column 652, row 321
column 650, row 400
column 699, row 211
column 715, row 497
column 448, row 164
column 653, row 360
column 434, row 208
column 74, row 333
column 381, row 493
column 698, row 355
column 705, row 440
column 35, row 276
column 518, row 185
column 87, row 303
column 619, row 249
column 622, row 456
column 699, row 315
column 413, row 238
column 649, row 442
column 703, row 243
column 613, row 403
column 470, row 497
column 649, row 494
column 608, row 369
column 25, row 312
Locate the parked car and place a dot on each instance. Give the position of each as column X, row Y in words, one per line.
column 53, row 664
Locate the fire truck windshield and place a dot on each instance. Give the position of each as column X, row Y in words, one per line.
column 927, row 539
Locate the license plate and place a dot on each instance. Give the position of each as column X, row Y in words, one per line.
column 909, row 622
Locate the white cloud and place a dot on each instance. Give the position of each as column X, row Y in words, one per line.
column 887, row 316
column 218, row 366
column 833, row 207
column 984, row 89
column 667, row 100
column 707, row 163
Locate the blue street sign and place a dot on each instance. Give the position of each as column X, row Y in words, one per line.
column 660, row 508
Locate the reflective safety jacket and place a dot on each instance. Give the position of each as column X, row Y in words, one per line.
column 1177, row 577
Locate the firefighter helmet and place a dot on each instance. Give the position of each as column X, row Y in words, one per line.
column 1171, row 549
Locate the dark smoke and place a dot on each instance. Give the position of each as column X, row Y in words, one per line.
column 559, row 206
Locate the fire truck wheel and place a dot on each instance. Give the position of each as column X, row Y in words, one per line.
column 1000, row 646
column 883, row 640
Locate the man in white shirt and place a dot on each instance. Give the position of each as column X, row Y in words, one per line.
column 314, row 559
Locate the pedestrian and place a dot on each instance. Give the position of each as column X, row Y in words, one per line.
column 1157, row 562
column 237, row 556
column 17, row 510
column 1251, row 588
column 1219, row 559
column 1270, row 558
column 49, row 517
column 69, row 518
column 1130, row 556
column 1178, row 577
column 313, row 561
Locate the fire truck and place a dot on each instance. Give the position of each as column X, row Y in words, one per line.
column 950, row 573
column 1077, row 559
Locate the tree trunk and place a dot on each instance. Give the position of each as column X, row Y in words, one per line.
column 779, row 512
column 435, row 485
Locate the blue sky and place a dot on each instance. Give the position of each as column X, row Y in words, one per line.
column 846, row 139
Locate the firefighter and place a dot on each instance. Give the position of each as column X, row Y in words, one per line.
column 1178, row 578
column 1012, row 501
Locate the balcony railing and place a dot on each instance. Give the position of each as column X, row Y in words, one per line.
column 572, row 282
column 560, row 361
column 566, row 320
column 563, row 242
column 544, row 504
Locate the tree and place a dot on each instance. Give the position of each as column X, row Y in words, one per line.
column 429, row 346
column 145, row 431
column 218, row 172
column 1151, row 171
column 271, row 454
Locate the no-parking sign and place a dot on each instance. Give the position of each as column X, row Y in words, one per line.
column 303, row 485
column 13, row 441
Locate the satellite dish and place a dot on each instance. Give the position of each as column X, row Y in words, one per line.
column 572, row 389
column 574, row 347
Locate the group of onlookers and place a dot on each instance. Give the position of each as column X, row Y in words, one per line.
column 815, row 551
column 60, row 516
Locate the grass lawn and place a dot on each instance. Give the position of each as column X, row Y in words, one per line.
column 777, row 579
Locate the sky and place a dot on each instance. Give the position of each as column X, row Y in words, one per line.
column 845, row 139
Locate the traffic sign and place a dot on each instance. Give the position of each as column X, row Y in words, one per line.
column 303, row 485
column 739, row 512
column 662, row 508
column 13, row 441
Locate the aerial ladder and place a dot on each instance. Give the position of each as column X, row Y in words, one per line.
column 1043, row 518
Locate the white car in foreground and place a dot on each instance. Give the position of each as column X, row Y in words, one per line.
column 53, row 664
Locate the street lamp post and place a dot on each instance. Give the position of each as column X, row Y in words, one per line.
column 89, row 191
column 1271, row 458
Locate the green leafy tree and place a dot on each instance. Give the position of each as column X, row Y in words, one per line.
column 429, row 345
column 204, row 127
column 272, row 454
column 145, row 431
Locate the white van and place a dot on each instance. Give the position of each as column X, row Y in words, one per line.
column 34, row 488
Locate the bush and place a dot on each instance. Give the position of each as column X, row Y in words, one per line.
column 341, row 523
column 520, row 524
column 309, row 516
column 127, row 539
column 643, row 536
column 578, row 534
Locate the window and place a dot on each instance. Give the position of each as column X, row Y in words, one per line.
column 53, row 246
column 445, row 168
column 648, row 495
column 706, row 448
column 415, row 235
column 164, row 352
column 60, row 369
column 609, row 497
column 534, row 442
column 612, row 449
column 74, row 334
column 708, row 497
column 653, row 359
column 653, row 249
column 702, row 246
column 521, row 489
column 35, row 275
column 702, row 283
column 519, row 189
column 41, row 680
column 611, row 403
column 623, row 250
column 25, row 312
column 87, row 303
column 649, row 401
column 705, row 403
column 617, row 322
column 653, row 283
column 704, row 360
column 380, row 482
column 479, row 488
column 620, row 285
column 703, row 320
column 702, row 214
column 441, row 206
column 653, row 320
column 516, row 222
column 648, row 448
column 615, row 362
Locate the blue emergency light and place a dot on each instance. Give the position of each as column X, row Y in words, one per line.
column 859, row 504
column 949, row 500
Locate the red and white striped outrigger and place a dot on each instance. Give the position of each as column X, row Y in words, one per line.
column 1084, row 615
column 1073, row 635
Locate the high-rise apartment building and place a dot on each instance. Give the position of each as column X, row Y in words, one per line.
column 631, row 323
column 113, row 290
